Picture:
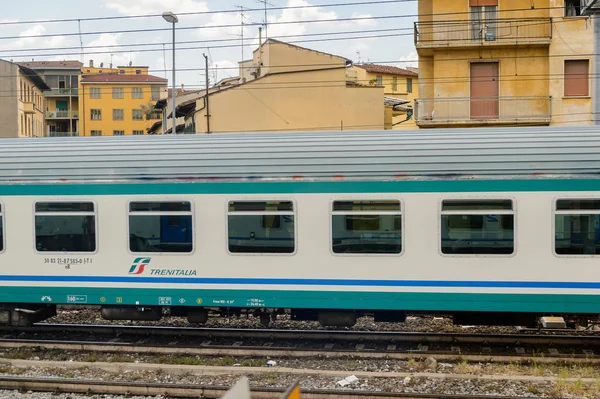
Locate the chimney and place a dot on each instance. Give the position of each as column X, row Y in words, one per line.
column 91, row 63
column 102, row 65
column 182, row 88
column 130, row 64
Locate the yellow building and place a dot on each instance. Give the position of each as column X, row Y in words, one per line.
column 62, row 100
column 509, row 62
column 21, row 102
column 289, row 88
column 119, row 101
column 397, row 83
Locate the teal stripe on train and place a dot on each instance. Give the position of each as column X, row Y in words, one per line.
column 302, row 187
column 536, row 303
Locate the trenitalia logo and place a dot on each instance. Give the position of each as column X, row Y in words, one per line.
column 138, row 265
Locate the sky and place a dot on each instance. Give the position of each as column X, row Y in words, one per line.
column 200, row 34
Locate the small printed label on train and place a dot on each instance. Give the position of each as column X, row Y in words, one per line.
column 77, row 298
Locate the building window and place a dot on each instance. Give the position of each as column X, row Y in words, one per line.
column 394, row 83
column 572, row 8
column 157, row 114
column 118, row 132
column 65, row 227
column 118, row 114
column 483, row 19
column 137, row 92
column 95, row 92
column 379, row 80
column 118, row 92
column 122, row 72
column 138, row 115
column 576, row 227
column 138, row 71
column 161, row 227
column 96, row 133
column 138, row 132
column 576, row 78
column 483, row 227
column 155, row 93
column 96, row 114
column 366, row 227
column 409, row 85
column 265, row 227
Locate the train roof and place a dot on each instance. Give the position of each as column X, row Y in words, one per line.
column 440, row 153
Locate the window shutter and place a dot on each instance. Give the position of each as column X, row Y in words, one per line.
column 576, row 78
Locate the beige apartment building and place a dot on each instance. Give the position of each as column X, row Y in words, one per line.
column 21, row 102
column 289, row 88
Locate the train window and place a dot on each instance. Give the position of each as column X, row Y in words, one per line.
column 1, row 230
column 65, row 227
column 161, row 227
column 577, row 227
column 266, row 227
column 366, row 227
column 481, row 227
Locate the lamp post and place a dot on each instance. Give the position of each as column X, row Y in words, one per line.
column 172, row 19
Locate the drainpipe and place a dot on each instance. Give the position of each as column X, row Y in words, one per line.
column 596, row 72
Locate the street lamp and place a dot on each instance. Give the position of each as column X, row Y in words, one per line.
column 172, row 19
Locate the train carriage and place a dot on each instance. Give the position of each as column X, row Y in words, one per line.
column 486, row 225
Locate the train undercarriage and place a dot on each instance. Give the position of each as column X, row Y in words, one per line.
column 19, row 315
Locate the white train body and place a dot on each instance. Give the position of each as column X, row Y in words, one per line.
column 321, row 246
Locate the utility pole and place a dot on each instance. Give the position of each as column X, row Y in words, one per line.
column 206, row 96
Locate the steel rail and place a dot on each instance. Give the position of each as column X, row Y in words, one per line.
column 77, row 386
column 316, row 335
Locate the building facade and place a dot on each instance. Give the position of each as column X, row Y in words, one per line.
column 21, row 102
column 289, row 88
column 397, row 83
column 62, row 100
column 503, row 62
column 119, row 101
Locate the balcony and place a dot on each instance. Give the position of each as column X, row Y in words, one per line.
column 466, row 111
column 62, row 134
column 62, row 93
column 482, row 33
column 29, row 108
column 62, row 114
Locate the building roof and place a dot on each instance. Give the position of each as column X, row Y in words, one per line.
column 449, row 154
column 117, row 78
column 275, row 41
column 52, row 64
column 388, row 69
column 35, row 78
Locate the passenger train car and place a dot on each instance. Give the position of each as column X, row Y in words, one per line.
column 496, row 226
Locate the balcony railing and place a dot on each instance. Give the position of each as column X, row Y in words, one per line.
column 483, row 110
column 62, row 134
column 62, row 114
column 61, row 92
column 494, row 32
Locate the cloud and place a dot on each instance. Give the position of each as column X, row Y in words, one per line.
column 142, row 7
column 38, row 42
column 224, row 69
column 109, row 41
column 410, row 60
column 286, row 21
column 366, row 20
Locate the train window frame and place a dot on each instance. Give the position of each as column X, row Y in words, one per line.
column 401, row 213
column 161, row 200
column 555, row 211
column 513, row 212
column 62, row 201
column 3, row 226
column 294, row 212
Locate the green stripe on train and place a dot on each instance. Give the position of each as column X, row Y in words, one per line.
column 566, row 303
column 300, row 187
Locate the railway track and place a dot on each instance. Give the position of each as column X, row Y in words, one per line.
column 299, row 343
column 74, row 386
